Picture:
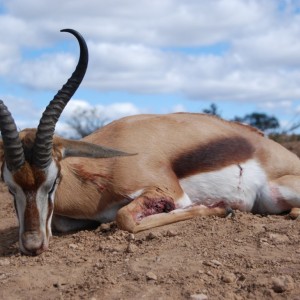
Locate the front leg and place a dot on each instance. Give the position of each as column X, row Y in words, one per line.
column 66, row 224
column 156, row 209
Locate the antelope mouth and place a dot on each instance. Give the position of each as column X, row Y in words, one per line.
column 33, row 243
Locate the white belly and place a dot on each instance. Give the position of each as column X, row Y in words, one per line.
column 236, row 186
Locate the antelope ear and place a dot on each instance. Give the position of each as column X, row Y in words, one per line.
column 72, row 148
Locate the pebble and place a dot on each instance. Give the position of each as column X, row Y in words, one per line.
column 216, row 262
column 282, row 283
column 171, row 233
column 278, row 238
column 213, row 263
column 151, row 276
column 131, row 248
column 105, row 227
column 3, row 276
column 198, row 297
column 210, row 274
column 73, row 246
column 130, row 237
column 153, row 235
column 228, row 277
column 4, row 262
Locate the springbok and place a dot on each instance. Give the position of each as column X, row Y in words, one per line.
column 168, row 168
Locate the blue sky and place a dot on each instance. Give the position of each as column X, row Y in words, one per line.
column 156, row 56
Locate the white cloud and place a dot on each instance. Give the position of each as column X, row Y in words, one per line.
column 110, row 112
column 271, row 105
column 105, row 113
column 178, row 108
column 154, row 47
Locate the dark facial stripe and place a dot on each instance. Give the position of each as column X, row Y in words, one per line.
column 31, row 217
column 213, row 156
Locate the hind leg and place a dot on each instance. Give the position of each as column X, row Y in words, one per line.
column 156, row 208
column 287, row 194
column 295, row 213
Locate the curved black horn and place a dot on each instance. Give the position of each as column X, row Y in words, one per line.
column 42, row 148
column 13, row 150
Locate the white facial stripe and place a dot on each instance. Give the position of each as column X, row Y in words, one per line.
column 237, row 186
column 42, row 197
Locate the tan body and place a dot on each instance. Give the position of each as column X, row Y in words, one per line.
column 92, row 188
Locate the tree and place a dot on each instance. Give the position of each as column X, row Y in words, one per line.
column 212, row 110
column 86, row 121
column 261, row 121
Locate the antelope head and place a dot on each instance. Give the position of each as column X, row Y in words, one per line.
column 31, row 161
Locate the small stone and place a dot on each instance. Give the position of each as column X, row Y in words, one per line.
column 152, row 236
column 282, row 283
column 105, row 227
column 171, row 233
column 238, row 240
column 216, row 262
column 130, row 237
column 278, row 238
column 210, row 274
column 198, row 297
column 3, row 276
column 213, row 263
column 151, row 276
column 228, row 277
column 73, row 246
column 131, row 248
column 207, row 263
column 4, row 262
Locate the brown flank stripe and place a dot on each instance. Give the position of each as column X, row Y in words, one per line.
column 213, row 156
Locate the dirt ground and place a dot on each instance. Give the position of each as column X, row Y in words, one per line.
column 245, row 257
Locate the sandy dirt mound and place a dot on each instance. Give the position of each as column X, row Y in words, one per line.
column 245, row 257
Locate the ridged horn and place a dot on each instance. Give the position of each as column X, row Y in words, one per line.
column 42, row 149
column 13, row 150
